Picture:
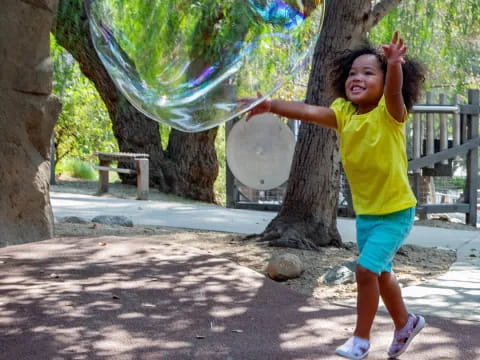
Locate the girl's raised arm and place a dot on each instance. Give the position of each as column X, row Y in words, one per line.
column 319, row 115
column 394, row 53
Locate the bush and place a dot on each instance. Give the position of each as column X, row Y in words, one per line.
column 77, row 168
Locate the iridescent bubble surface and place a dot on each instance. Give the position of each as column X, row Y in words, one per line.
column 185, row 63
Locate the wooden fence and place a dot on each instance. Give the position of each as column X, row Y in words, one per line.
column 454, row 129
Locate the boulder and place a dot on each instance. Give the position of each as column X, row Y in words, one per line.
column 284, row 267
column 113, row 220
column 28, row 112
column 341, row 274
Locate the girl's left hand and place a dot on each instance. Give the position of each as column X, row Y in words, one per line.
column 395, row 50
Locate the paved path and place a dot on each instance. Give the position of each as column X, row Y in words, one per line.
column 141, row 299
column 454, row 295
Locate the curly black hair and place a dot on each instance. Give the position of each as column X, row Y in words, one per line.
column 413, row 73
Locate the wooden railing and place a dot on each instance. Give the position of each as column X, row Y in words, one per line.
column 438, row 134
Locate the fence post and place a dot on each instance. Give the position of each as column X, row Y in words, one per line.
column 456, row 123
column 472, row 161
column 417, row 153
column 430, row 130
column 103, row 177
column 443, row 129
column 143, row 179
column 231, row 197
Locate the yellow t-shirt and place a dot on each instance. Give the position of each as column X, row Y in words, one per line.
column 372, row 148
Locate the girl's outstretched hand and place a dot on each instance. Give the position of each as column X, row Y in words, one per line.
column 261, row 108
column 395, row 50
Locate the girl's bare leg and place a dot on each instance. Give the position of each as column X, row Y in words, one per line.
column 368, row 294
column 392, row 298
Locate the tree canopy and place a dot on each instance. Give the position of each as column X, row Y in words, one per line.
column 444, row 34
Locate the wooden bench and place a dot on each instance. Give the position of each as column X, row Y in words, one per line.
column 141, row 170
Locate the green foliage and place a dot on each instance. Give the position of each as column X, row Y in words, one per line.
column 152, row 31
column 164, row 134
column 444, row 34
column 219, row 187
column 77, row 168
column 83, row 126
column 459, row 182
column 180, row 39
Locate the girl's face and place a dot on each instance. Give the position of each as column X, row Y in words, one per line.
column 365, row 82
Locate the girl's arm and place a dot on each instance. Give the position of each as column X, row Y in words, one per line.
column 394, row 77
column 319, row 115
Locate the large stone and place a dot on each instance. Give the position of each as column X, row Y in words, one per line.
column 72, row 220
column 28, row 113
column 113, row 220
column 285, row 267
column 341, row 274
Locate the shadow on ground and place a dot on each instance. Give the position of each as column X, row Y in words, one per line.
column 121, row 298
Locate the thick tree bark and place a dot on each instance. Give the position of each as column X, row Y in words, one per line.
column 28, row 113
column 194, row 171
column 192, row 176
column 308, row 216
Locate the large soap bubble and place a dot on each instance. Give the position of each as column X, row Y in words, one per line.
column 185, row 62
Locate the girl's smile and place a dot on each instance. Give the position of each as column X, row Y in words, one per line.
column 365, row 82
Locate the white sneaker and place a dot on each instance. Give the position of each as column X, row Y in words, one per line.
column 354, row 348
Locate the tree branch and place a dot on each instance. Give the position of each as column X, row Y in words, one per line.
column 380, row 9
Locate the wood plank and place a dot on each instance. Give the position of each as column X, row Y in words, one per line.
column 256, row 206
column 443, row 129
column 417, row 141
column 119, row 170
column 430, row 130
column 103, row 177
column 456, row 125
column 120, row 156
column 470, row 109
column 446, row 154
column 143, row 179
column 230, row 191
column 442, row 208
column 472, row 161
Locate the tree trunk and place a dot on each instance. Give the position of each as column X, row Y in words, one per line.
column 308, row 216
column 183, row 173
column 195, row 174
column 28, row 113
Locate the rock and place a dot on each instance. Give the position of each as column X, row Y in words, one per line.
column 284, row 267
column 73, row 220
column 352, row 265
column 441, row 217
column 113, row 220
column 342, row 274
column 350, row 245
column 27, row 117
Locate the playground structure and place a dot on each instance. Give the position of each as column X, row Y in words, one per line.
column 439, row 135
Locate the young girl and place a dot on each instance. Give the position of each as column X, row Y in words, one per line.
column 375, row 89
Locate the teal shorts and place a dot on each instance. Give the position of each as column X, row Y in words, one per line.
column 380, row 236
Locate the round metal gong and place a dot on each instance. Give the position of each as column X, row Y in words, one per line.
column 260, row 151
